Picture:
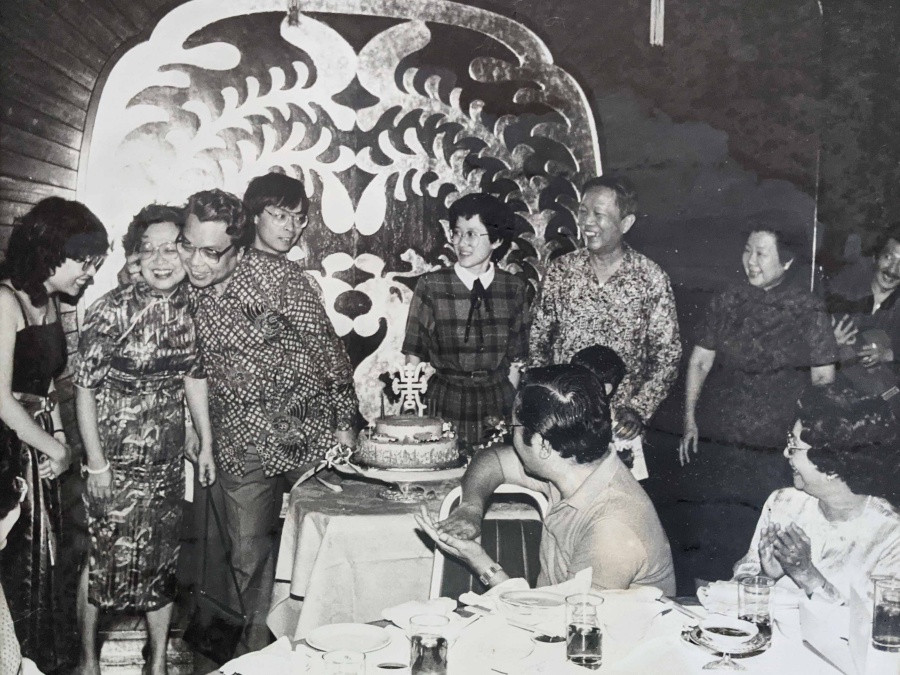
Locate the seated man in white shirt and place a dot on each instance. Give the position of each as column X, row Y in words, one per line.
column 599, row 515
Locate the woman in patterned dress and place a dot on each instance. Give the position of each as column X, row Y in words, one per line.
column 470, row 322
column 760, row 345
column 136, row 355
column 54, row 249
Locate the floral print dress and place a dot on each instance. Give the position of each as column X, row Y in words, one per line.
column 135, row 349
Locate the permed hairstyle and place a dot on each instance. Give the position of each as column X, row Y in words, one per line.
column 604, row 362
column 220, row 205
column 498, row 219
column 565, row 404
column 54, row 230
column 626, row 195
column 147, row 216
column 854, row 438
column 275, row 189
column 788, row 240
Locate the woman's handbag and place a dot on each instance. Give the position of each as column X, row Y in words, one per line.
column 215, row 628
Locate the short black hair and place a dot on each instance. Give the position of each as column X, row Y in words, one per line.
column 892, row 231
column 788, row 240
column 54, row 230
column 853, row 437
column 220, row 205
column 566, row 406
column 626, row 195
column 147, row 216
column 498, row 219
column 602, row 361
column 275, row 189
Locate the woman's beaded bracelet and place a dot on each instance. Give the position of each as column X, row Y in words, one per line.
column 94, row 472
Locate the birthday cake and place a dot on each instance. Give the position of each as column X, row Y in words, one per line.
column 408, row 442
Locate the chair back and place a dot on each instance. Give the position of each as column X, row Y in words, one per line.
column 510, row 533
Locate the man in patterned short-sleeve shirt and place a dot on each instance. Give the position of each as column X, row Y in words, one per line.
column 609, row 294
column 280, row 382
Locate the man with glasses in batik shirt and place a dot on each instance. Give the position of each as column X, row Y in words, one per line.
column 280, row 382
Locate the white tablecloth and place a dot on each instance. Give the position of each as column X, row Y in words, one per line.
column 345, row 557
column 652, row 647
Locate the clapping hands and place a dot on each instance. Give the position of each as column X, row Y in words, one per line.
column 787, row 550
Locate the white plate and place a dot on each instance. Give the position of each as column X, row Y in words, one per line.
column 359, row 637
column 500, row 646
column 532, row 600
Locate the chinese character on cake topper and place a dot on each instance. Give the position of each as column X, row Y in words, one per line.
column 410, row 383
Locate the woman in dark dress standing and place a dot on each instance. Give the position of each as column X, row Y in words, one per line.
column 758, row 347
column 55, row 249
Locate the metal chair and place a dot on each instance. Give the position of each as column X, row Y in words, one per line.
column 510, row 533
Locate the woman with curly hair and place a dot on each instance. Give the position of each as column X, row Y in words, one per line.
column 599, row 515
column 133, row 372
column 839, row 525
column 55, row 249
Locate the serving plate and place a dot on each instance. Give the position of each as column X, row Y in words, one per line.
column 756, row 645
column 359, row 637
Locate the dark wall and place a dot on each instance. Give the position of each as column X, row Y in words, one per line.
column 774, row 76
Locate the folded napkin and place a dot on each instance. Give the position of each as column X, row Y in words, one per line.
column 721, row 597
column 276, row 659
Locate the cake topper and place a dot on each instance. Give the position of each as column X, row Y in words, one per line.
column 410, row 383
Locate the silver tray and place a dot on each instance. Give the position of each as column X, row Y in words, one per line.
column 752, row 647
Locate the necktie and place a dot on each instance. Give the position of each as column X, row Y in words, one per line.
column 477, row 297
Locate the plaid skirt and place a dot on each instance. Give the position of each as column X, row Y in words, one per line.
column 474, row 406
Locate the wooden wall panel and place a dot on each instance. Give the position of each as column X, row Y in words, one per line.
column 52, row 104
column 43, row 76
column 35, row 146
column 17, row 165
column 25, row 116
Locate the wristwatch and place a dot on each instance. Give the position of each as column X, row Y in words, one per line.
column 486, row 576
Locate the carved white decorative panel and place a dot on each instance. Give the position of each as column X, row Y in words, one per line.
column 387, row 110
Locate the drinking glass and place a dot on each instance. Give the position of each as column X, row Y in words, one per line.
column 344, row 662
column 755, row 603
column 886, row 618
column 428, row 644
column 584, row 632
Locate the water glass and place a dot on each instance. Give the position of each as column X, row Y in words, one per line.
column 755, row 602
column 344, row 662
column 886, row 618
column 584, row 632
column 428, row 644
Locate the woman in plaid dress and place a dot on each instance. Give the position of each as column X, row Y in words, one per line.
column 470, row 322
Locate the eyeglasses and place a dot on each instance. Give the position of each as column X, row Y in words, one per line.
column 21, row 487
column 89, row 261
column 282, row 217
column 793, row 445
column 147, row 251
column 469, row 237
column 209, row 254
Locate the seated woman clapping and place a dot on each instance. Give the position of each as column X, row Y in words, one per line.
column 599, row 515
column 838, row 526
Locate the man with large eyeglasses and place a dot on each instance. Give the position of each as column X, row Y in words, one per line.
column 280, row 382
column 277, row 207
